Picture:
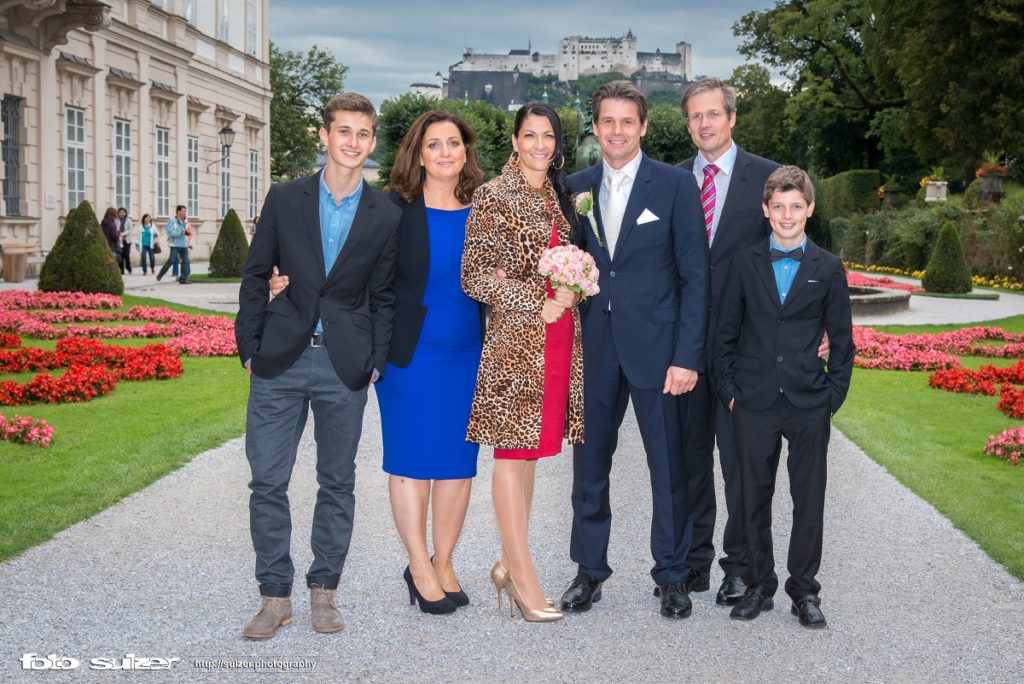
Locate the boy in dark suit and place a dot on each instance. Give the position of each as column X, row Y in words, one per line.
column 782, row 297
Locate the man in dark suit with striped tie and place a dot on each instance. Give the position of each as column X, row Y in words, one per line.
column 731, row 181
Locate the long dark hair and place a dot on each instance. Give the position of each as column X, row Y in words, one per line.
column 556, row 172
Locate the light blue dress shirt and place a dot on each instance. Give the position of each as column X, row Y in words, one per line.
column 335, row 224
column 785, row 269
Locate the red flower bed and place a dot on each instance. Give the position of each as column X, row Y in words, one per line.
column 886, row 282
column 93, row 369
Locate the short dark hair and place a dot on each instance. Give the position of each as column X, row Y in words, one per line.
column 349, row 102
column 179, row 208
column 618, row 90
column 407, row 173
column 706, row 84
column 786, row 178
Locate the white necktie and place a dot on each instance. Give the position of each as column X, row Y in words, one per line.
column 611, row 214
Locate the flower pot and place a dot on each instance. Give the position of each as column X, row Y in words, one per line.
column 893, row 199
column 935, row 191
column 992, row 187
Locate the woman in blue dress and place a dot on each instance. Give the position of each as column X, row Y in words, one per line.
column 426, row 390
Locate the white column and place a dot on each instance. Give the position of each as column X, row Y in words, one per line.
column 99, row 144
column 50, row 163
column 146, row 137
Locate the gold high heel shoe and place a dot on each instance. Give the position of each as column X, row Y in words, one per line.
column 529, row 614
column 499, row 575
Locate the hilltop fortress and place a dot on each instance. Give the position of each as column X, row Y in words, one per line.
column 503, row 78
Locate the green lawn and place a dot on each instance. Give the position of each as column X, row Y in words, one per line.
column 108, row 448
column 932, row 442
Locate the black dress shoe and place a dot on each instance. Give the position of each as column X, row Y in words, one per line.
column 695, row 581
column 809, row 611
column 674, row 601
column 752, row 604
column 583, row 593
column 731, row 591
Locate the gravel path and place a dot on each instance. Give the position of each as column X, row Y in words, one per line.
column 168, row 573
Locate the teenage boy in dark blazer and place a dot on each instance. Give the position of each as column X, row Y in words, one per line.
column 318, row 344
column 782, row 296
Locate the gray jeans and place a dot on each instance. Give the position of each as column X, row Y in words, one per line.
column 276, row 417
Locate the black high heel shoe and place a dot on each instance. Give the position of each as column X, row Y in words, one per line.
column 440, row 607
column 459, row 597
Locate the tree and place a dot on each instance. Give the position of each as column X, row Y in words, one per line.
column 302, row 83
column 759, row 127
column 947, row 268
column 588, row 84
column 81, row 260
column 819, row 45
column 227, row 260
column 961, row 70
column 667, row 139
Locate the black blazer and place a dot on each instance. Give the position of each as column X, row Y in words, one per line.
column 762, row 345
column 411, row 280
column 657, row 281
column 742, row 223
column 356, row 300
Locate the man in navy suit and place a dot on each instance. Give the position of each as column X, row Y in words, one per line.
column 643, row 340
column 784, row 293
column 318, row 343
column 731, row 182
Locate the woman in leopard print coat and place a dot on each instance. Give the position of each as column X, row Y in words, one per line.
column 509, row 227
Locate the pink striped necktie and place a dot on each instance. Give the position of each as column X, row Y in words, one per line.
column 707, row 197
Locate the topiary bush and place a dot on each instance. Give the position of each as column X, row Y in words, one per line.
column 80, row 260
column 947, row 269
column 228, row 257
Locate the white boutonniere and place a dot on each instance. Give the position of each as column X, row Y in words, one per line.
column 584, row 202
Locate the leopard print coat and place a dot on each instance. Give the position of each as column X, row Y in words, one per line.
column 509, row 227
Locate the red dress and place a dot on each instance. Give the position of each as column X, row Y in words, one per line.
column 558, row 339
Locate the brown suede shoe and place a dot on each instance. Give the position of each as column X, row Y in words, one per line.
column 274, row 612
column 323, row 612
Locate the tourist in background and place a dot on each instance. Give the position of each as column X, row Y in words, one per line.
column 124, row 229
column 147, row 243
column 178, row 241
column 110, row 232
column 529, row 391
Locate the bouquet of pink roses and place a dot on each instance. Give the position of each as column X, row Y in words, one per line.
column 570, row 266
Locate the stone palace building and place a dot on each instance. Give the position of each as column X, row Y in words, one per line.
column 133, row 103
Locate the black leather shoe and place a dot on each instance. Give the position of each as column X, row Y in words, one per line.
column 809, row 612
column 731, row 591
column 674, row 601
column 583, row 593
column 752, row 604
column 695, row 581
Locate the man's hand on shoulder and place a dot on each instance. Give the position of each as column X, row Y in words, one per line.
column 679, row 381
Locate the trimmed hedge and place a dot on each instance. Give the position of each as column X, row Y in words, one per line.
column 81, row 259
column 947, row 269
column 848, row 193
column 227, row 260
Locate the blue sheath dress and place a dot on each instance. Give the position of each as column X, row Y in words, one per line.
column 424, row 407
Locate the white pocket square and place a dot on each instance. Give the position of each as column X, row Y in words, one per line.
column 646, row 217
column 813, row 281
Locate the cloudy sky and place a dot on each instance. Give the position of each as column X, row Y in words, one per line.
column 388, row 45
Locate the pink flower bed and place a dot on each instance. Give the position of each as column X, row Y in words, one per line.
column 859, row 280
column 1007, row 445
column 189, row 334
column 25, row 430
column 25, row 299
